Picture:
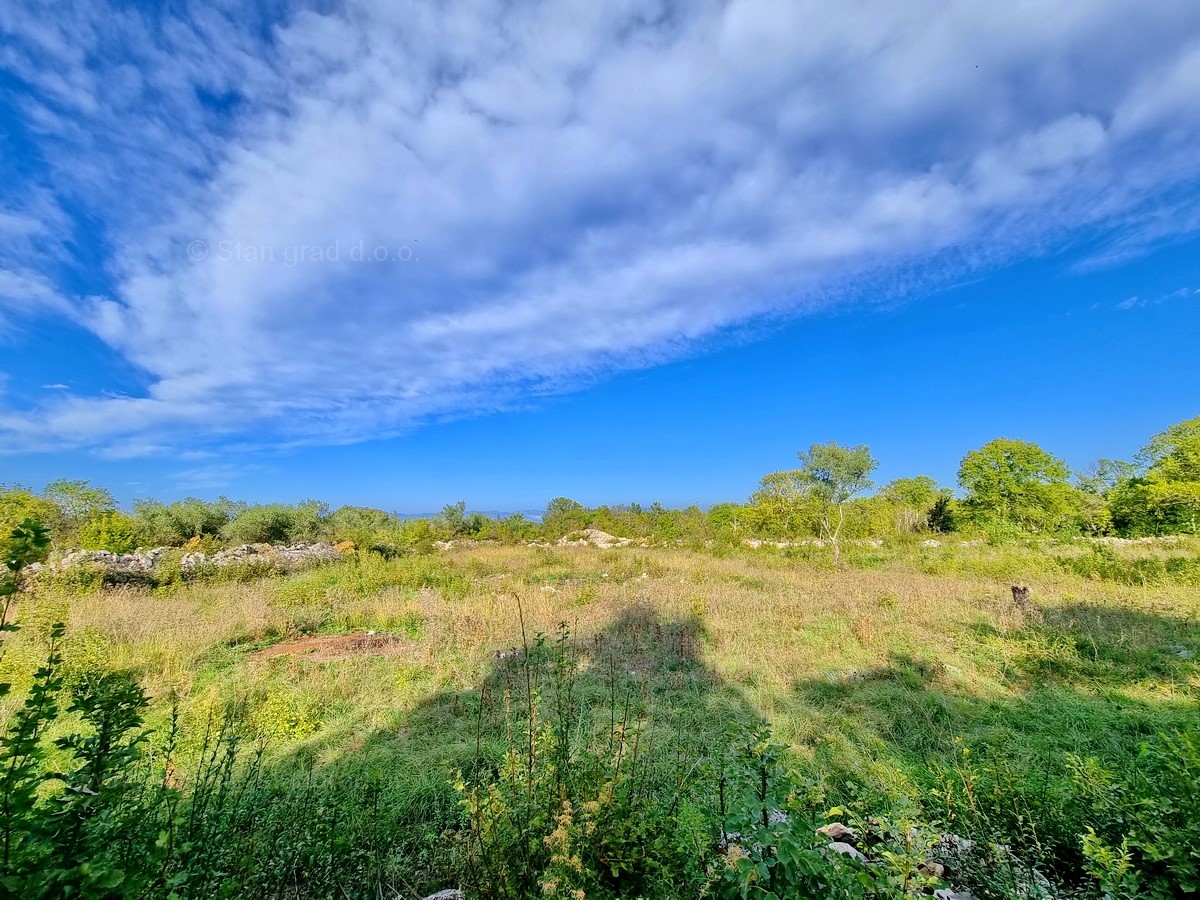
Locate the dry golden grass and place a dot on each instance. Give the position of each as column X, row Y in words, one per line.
column 773, row 629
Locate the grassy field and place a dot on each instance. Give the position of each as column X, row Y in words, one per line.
column 906, row 685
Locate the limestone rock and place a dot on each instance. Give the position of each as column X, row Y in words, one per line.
column 847, row 850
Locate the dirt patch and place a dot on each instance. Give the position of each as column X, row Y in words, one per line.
column 336, row 646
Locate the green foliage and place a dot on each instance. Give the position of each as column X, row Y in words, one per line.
column 1101, row 563
column 454, row 521
column 1144, row 838
column 17, row 504
column 1166, row 498
column 77, row 503
column 562, row 516
column 916, row 504
column 1017, row 483
column 942, row 517
column 277, row 523
column 834, row 474
column 172, row 524
column 570, row 812
column 110, row 531
column 783, row 505
column 360, row 524
column 24, row 846
column 28, row 542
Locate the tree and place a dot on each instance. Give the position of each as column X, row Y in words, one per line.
column 1166, row 498
column 178, row 522
column 78, row 501
column 1017, row 483
column 359, row 524
column 913, row 500
column 941, row 516
column 783, row 504
column 562, row 516
column 18, row 504
column 1104, row 475
column 113, row 531
column 278, row 523
column 834, row 474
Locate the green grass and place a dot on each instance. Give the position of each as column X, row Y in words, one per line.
column 907, row 680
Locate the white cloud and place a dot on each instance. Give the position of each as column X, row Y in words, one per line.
column 580, row 189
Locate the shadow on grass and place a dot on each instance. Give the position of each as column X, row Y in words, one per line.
column 1079, row 682
column 639, row 670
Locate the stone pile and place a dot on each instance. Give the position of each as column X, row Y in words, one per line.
column 132, row 566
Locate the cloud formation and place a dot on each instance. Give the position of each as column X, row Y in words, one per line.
column 557, row 191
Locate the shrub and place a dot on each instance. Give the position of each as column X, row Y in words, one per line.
column 112, row 531
column 1145, row 840
column 277, row 523
column 172, row 524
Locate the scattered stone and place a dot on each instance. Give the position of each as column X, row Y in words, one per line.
column 836, row 831
column 142, row 565
column 959, row 854
column 595, row 537
column 847, row 850
column 447, row 894
column 931, row 542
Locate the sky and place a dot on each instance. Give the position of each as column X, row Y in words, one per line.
column 400, row 254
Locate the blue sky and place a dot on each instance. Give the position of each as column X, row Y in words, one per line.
column 376, row 253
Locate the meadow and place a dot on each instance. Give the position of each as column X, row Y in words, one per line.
column 649, row 720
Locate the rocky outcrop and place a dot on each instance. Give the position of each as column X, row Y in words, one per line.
column 282, row 558
column 953, row 858
column 143, row 566
column 594, row 537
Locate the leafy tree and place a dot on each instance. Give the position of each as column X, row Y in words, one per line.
column 1166, row 498
column 563, row 515
column 512, row 529
column 78, row 501
column 451, row 521
column 18, row 504
column 112, row 531
column 941, row 517
column 726, row 517
column 359, row 524
column 1105, row 475
column 834, row 474
column 783, row 504
column 27, row 542
column 1017, row 483
column 278, row 523
column 914, row 499
column 175, row 523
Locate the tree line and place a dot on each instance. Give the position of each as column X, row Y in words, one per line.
column 1007, row 488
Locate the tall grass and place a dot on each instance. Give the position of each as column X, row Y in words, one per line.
column 905, row 685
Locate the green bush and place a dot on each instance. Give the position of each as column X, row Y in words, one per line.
column 112, row 531
column 277, row 523
column 172, row 524
column 1144, row 837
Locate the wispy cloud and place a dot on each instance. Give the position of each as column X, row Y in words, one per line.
column 1137, row 302
column 326, row 226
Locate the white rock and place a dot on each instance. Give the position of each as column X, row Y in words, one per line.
column 846, row 850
